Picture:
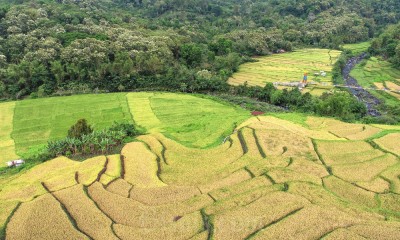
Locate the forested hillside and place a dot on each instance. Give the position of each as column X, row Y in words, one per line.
column 64, row 46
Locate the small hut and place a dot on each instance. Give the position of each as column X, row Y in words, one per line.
column 15, row 163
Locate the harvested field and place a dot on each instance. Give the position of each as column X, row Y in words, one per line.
column 390, row 201
column 378, row 230
column 234, row 178
column 377, row 185
column 280, row 175
column 343, row 234
column 7, row 144
column 42, row 218
column 392, row 176
column 390, row 142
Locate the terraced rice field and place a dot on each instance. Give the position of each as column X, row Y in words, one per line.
column 272, row 179
column 288, row 67
column 27, row 125
column 380, row 74
column 191, row 120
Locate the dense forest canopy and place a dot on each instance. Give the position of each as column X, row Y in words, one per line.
column 56, row 46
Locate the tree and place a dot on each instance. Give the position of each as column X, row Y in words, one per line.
column 79, row 129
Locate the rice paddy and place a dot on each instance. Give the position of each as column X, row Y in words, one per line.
column 26, row 126
column 289, row 67
column 380, row 74
column 272, row 178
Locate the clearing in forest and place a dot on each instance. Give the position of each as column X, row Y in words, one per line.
column 273, row 178
column 288, row 67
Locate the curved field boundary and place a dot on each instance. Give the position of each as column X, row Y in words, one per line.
column 7, row 144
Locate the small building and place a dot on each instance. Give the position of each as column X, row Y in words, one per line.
column 15, row 163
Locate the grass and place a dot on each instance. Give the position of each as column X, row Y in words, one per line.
column 377, row 73
column 38, row 120
column 357, row 48
column 288, row 67
column 7, row 145
column 190, row 120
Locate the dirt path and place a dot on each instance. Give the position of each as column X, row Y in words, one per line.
column 361, row 94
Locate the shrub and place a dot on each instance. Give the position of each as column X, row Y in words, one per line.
column 79, row 129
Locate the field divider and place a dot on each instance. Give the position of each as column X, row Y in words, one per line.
column 329, row 232
column 208, row 225
column 70, row 217
column 102, row 171
column 163, row 152
column 320, row 157
column 76, row 177
column 122, row 159
column 113, row 231
column 158, row 160
column 274, row 222
column 260, row 149
column 250, row 172
column 3, row 231
column 242, row 142
column 85, row 190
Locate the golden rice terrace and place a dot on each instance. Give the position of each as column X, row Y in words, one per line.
column 272, row 179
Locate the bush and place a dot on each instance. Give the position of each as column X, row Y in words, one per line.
column 79, row 129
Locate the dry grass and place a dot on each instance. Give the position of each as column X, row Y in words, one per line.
column 364, row 171
column 7, row 144
column 349, row 192
column 140, row 166
column 346, row 152
column 390, row 143
column 113, row 170
column 184, row 228
column 163, row 195
column 132, row 213
column 120, row 187
column 240, row 222
column 245, row 186
column 42, row 218
column 309, row 223
column 88, row 217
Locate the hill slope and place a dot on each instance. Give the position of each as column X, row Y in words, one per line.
column 272, row 179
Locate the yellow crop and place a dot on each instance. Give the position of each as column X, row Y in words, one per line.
column 390, row 142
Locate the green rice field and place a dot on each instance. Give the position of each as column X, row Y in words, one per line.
column 192, row 120
column 287, row 67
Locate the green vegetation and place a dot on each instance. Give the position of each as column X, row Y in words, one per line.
column 40, row 120
column 387, row 45
column 380, row 74
column 357, row 48
column 287, row 67
column 194, row 121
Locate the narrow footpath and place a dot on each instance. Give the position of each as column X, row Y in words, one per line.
column 361, row 94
